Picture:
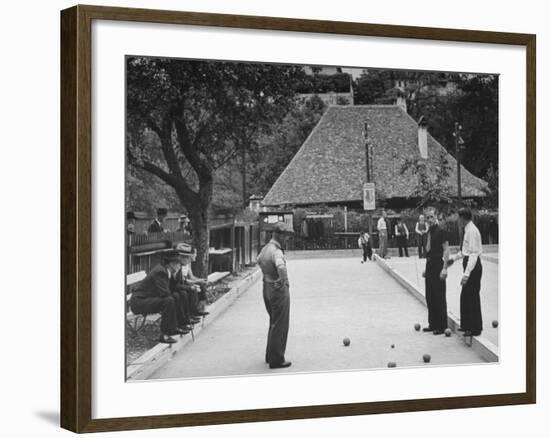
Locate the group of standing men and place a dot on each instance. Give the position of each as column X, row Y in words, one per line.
column 433, row 245
column 438, row 259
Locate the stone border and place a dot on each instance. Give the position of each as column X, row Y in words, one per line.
column 150, row 361
column 486, row 349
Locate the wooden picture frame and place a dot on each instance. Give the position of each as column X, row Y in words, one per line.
column 76, row 217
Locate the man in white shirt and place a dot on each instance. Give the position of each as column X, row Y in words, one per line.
column 382, row 235
column 364, row 244
column 470, row 253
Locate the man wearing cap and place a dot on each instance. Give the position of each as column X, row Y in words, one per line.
column 157, row 226
column 276, row 295
column 153, row 295
column 437, row 260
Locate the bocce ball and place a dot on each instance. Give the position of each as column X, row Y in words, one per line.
column 392, row 345
column 495, row 323
column 448, row 332
column 426, row 358
column 417, row 327
column 346, row 342
column 392, row 364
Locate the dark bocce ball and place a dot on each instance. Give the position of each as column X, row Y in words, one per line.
column 417, row 327
column 495, row 323
column 426, row 358
column 346, row 342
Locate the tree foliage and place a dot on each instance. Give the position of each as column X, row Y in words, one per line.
column 277, row 148
column 443, row 99
column 432, row 187
column 186, row 119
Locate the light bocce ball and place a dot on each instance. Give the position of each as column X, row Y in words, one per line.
column 346, row 342
column 426, row 358
column 448, row 332
column 417, row 327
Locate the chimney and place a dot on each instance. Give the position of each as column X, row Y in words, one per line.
column 423, row 137
column 401, row 102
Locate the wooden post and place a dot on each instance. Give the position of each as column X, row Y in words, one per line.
column 233, row 245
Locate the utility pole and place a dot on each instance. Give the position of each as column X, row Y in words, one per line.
column 243, row 164
column 458, row 145
column 368, row 160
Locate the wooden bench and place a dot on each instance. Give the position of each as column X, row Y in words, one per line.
column 136, row 322
column 214, row 277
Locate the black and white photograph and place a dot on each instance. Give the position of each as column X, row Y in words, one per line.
column 308, row 218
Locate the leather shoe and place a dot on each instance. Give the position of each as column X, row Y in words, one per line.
column 181, row 331
column 285, row 364
column 438, row 332
column 195, row 320
column 165, row 339
column 202, row 313
column 427, row 329
column 469, row 333
column 460, row 329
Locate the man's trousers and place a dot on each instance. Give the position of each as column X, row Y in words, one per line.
column 277, row 304
column 470, row 302
column 436, row 294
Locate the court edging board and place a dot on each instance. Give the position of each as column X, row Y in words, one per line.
column 486, row 349
column 150, row 361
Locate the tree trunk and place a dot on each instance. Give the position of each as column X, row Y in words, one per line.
column 201, row 228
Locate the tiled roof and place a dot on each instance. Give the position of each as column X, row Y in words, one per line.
column 330, row 165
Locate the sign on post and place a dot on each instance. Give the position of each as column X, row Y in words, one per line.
column 368, row 196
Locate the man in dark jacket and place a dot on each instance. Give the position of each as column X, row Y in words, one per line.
column 153, row 295
column 437, row 259
column 157, row 226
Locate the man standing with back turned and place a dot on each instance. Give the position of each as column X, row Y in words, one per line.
column 276, row 295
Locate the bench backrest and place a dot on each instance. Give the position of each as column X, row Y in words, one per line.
column 134, row 278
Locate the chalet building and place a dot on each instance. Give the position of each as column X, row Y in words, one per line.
column 331, row 166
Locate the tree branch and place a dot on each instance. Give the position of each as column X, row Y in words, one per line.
column 178, row 184
column 202, row 166
column 168, row 149
column 228, row 157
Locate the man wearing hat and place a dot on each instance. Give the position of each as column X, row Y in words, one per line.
column 157, row 226
column 276, row 295
column 184, row 225
column 153, row 295
column 130, row 222
column 183, row 286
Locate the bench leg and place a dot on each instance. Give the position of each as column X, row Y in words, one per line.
column 132, row 329
column 143, row 321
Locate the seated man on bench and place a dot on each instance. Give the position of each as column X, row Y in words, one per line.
column 190, row 288
column 153, row 295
